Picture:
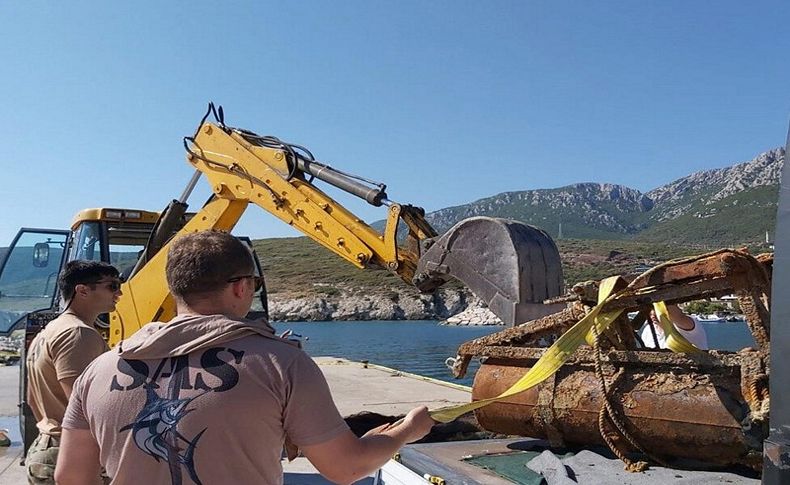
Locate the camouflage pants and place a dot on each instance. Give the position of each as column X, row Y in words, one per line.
column 41, row 459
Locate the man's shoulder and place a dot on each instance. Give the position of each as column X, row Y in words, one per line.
column 67, row 321
column 68, row 326
column 67, row 333
column 265, row 346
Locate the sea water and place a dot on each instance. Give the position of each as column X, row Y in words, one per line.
column 421, row 347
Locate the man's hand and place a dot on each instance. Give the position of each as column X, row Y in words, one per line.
column 411, row 427
column 417, row 424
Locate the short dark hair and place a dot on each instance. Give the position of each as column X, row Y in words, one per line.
column 81, row 272
column 203, row 262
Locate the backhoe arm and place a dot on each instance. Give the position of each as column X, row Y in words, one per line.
column 241, row 171
column 239, row 168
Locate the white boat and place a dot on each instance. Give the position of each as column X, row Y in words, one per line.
column 712, row 318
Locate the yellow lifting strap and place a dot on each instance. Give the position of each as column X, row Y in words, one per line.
column 565, row 346
column 675, row 341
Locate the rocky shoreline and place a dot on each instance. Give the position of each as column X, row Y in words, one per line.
column 450, row 306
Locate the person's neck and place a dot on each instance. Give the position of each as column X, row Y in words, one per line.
column 201, row 308
column 86, row 315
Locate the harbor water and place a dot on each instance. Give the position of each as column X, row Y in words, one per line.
column 421, row 347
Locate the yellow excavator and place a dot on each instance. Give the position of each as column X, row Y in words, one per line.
column 511, row 266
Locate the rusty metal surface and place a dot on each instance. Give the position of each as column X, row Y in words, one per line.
column 647, row 357
column 688, row 414
column 712, row 406
column 541, row 332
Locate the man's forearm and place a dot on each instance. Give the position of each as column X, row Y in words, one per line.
column 78, row 459
column 375, row 450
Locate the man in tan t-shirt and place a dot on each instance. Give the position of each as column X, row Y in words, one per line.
column 59, row 354
column 210, row 397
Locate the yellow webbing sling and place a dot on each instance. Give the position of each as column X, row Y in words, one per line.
column 674, row 340
column 565, row 346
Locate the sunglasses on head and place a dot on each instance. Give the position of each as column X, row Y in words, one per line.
column 258, row 280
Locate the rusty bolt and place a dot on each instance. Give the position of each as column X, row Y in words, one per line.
column 207, row 129
column 299, row 212
column 325, row 206
column 341, row 242
column 318, row 226
column 361, row 258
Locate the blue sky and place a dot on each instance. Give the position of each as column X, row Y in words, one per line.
column 446, row 102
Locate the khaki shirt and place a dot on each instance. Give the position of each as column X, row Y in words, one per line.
column 61, row 351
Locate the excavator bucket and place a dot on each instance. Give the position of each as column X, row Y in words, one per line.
column 511, row 266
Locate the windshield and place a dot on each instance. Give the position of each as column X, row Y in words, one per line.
column 87, row 243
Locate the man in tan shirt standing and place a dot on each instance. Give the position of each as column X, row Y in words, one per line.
column 59, row 354
column 210, row 397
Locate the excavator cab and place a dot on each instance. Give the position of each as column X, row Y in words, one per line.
column 30, row 267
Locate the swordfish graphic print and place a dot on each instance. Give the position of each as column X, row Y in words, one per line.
column 155, row 432
column 155, row 429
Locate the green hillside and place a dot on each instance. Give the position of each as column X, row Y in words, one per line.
column 742, row 218
column 300, row 267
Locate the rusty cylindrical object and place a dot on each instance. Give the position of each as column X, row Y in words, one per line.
column 671, row 411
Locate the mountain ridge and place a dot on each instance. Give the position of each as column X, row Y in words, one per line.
column 593, row 210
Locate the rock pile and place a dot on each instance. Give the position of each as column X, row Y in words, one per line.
column 474, row 315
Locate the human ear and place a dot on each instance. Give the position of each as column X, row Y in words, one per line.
column 238, row 288
column 81, row 290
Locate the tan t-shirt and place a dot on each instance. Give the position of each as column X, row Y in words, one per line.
column 218, row 414
column 61, row 351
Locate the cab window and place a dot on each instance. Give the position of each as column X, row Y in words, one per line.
column 87, row 242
